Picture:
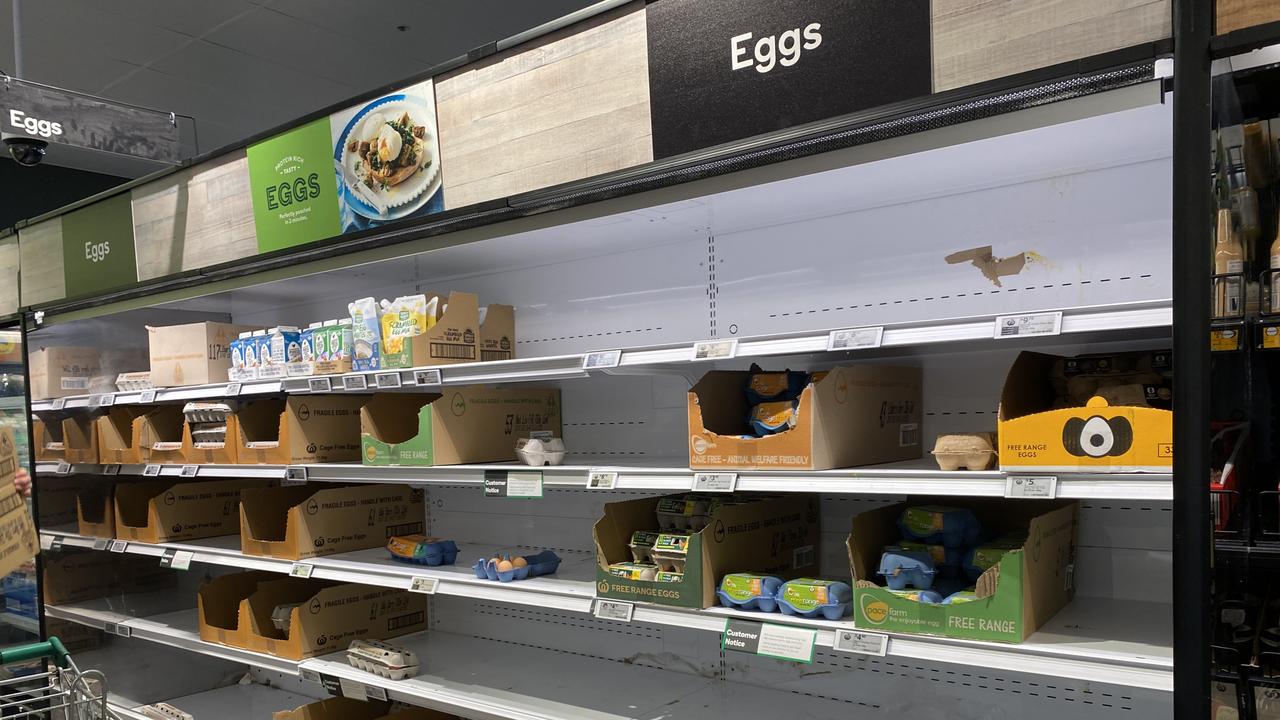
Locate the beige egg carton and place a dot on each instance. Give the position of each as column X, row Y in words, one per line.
column 389, row 661
column 971, row 451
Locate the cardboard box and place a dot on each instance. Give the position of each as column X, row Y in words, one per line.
column 1019, row 594
column 218, row 606
column 96, row 510
column 80, row 437
column 498, row 333
column 310, row 521
column 62, row 371
column 76, row 638
column 46, row 437
column 328, row 616
column 58, row 499
column 1044, row 427
column 223, row 453
column 298, row 431
column 464, row 425
column 779, row 536
column 137, row 435
column 192, row 354
column 18, row 540
column 855, row 415
column 157, row 512
column 341, row 708
column 453, row 338
column 76, row 576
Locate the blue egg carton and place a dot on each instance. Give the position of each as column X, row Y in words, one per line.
column 444, row 552
column 544, row 563
column 927, row 597
column 959, row 527
column 796, row 382
column 907, row 568
column 842, row 592
column 766, row 601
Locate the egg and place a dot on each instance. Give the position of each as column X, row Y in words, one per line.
column 519, row 562
column 372, row 127
column 505, row 566
column 389, row 144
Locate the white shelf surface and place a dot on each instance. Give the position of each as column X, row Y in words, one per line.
column 1093, row 639
column 224, row 703
column 21, row 622
column 1077, row 323
column 914, row 477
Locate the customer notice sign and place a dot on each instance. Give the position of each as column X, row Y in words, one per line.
column 723, row 70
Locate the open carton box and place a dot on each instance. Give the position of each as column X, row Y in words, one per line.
column 457, row 335
column 136, row 435
column 777, row 535
column 342, row 708
column 311, row 521
column 498, row 333
column 856, row 415
column 1022, row 592
column 464, row 425
column 80, row 438
column 1034, row 436
column 157, row 512
column 208, row 453
column 328, row 616
column 72, row 576
column 191, row 354
column 96, row 510
column 218, row 606
column 46, row 437
column 297, row 430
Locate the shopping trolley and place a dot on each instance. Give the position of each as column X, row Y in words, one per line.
column 61, row 691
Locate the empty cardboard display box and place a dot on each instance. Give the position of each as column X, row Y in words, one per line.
column 298, row 431
column 1026, row 588
column 464, row 425
column 156, row 512
column 191, row 354
column 46, row 437
column 96, row 510
column 76, row 576
column 218, row 606
column 311, row 521
column 342, row 708
column 777, row 536
column 854, row 415
column 498, row 333
column 326, row 616
column 80, row 438
column 210, row 453
column 62, row 371
column 59, row 499
column 137, row 435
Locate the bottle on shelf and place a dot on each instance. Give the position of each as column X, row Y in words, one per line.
column 1228, row 257
column 1257, row 158
column 1244, row 202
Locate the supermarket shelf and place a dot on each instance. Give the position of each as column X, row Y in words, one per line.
column 21, row 622
column 1096, row 640
column 233, row 701
column 1077, row 323
column 915, row 477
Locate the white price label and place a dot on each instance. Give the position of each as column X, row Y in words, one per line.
column 424, row 585
column 59, row 403
column 63, row 468
column 110, row 469
column 427, row 377
column 862, row 643
column 613, row 610
column 233, row 389
column 1031, row 486
column 375, row 693
column 148, row 396
column 46, row 542
column 387, row 380
column 106, row 400
column 301, row 570
column 117, row 629
column 359, row 691
column 309, row 676
column 855, row 338
column 293, row 476
column 787, row 643
column 177, row 559
column 119, row 546
column 56, row 545
column 319, row 384
column 715, row 349
column 101, row 544
column 1030, row 325
column 151, row 470
column 715, row 482
column 601, row 360
column 602, row 480
column 188, row 471
column 355, row 382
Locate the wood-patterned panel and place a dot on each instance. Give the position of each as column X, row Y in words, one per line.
column 563, row 107
column 977, row 40
column 195, row 218
column 40, row 258
column 1237, row 14
column 9, row 275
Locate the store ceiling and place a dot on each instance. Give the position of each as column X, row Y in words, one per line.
column 242, row 66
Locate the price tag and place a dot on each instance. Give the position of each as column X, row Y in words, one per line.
column 355, row 382
column 59, row 403
column 1031, row 486
column 57, row 543
column 359, row 691
column 424, row 585
column 715, row 482
column 427, row 377
column 613, row 610
column 176, row 559
column 520, row 484
column 301, row 570
column 63, row 468
column 862, row 643
column 148, row 396
column 188, row 471
column 855, row 338
column 119, row 546
column 715, row 349
column 601, row 360
column 294, row 476
column 310, row 676
column 110, row 469
column 119, row 629
column 105, row 400
column 602, row 480
column 1031, row 325
column 101, row 544
column 776, row 641
column 151, row 470
column 319, row 384
column 46, row 542
column 387, row 380
column 233, row 389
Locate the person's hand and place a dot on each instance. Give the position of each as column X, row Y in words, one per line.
column 22, row 482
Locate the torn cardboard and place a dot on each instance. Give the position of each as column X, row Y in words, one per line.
column 992, row 267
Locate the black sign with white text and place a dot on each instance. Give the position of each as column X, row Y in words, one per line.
column 723, row 70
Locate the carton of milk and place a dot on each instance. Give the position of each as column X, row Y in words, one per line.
column 306, row 364
column 280, row 345
column 243, row 359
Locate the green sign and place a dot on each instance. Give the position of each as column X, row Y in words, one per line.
column 295, row 192
column 97, row 247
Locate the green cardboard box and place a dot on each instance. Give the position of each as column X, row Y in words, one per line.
column 1027, row 588
column 778, row 536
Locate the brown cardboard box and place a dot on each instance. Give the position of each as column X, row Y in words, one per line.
column 218, row 606
column 298, row 431
column 341, row 708
column 156, row 512
column 464, row 425
column 58, row 500
column 855, row 415
column 18, row 540
column 223, row 453
column 80, row 437
column 96, row 510
column 303, row 522
column 498, row 333
column 46, row 437
column 76, row 576
column 453, row 339
column 778, row 536
column 76, row 638
column 192, row 354
column 328, row 616
column 129, row 435
column 62, row 371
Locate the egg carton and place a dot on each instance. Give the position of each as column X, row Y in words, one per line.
column 538, row 452
column 543, row 563
column 281, row 615
column 133, row 381
column 379, row 658
column 206, row 412
column 422, row 550
column 764, row 595
column 164, row 711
